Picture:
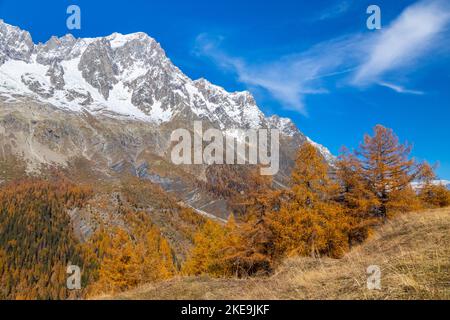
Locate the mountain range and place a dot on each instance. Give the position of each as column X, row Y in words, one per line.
column 113, row 101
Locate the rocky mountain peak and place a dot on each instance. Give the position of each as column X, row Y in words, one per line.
column 97, row 66
column 120, row 75
column 14, row 43
column 127, row 74
column 285, row 125
column 55, row 49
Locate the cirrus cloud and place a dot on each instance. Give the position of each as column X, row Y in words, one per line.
column 417, row 31
column 372, row 58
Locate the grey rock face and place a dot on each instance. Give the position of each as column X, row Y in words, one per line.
column 231, row 109
column 38, row 86
column 155, row 86
column 98, row 68
column 158, row 80
column 285, row 125
column 56, row 74
column 14, row 43
column 83, row 98
column 55, row 49
column 143, row 97
column 139, row 49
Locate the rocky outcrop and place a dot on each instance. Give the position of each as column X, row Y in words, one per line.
column 98, row 68
column 15, row 43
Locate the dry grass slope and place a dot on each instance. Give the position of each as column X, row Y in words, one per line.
column 412, row 250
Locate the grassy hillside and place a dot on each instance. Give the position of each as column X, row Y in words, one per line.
column 412, row 250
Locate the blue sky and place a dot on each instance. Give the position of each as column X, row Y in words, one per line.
column 313, row 61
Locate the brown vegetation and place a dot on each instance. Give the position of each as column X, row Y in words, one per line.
column 313, row 239
column 325, row 212
column 412, row 251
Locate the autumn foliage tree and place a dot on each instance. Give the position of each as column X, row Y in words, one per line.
column 327, row 208
column 256, row 252
column 311, row 222
column 243, row 247
column 432, row 195
column 126, row 259
column 214, row 247
column 356, row 196
column 388, row 169
column 36, row 239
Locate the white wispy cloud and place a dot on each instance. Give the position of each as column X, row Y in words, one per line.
column 363, row 59
column 291, row 77
column 400, row 89
column 413, row 34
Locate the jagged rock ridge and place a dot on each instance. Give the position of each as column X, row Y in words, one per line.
column 124, row 75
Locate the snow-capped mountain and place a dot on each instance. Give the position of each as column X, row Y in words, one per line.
column 113, row 102
column 123, row 75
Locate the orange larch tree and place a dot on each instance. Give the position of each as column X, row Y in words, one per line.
column 311, row 222
column 356, row 196
column 432, row 194
column 389, row 170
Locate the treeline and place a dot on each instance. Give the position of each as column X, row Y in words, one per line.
column 36, row 240
column 123, row 258
column 326, row 210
